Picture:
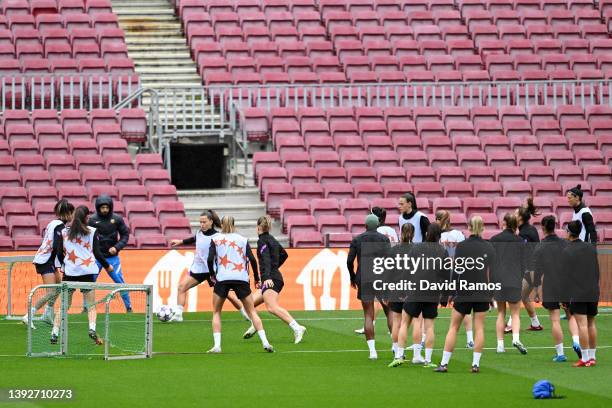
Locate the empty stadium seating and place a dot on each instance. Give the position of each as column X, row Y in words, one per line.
column 46, row 155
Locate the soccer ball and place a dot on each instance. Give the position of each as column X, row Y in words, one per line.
column 165, row 313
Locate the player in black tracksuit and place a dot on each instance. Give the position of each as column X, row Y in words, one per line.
column 114, row 236
column 529, row 234
column 468, row 301
column 370, row 236
column 510, row 251
column 582, row 270
column 270, row 257
column 548, row 275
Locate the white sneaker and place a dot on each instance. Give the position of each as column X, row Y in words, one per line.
column 249, row 333
column 409, row 347
column 177, row 317
column 418, row 360
column 269, row 348
column 24, row 320
column 373, row 356
column 299, row 334
column 501, row 350
column 214, row 350
column 360, row 331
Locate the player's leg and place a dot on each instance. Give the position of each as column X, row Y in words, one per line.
column 187, row 282
column 388, row 316
column 117, row 276
column 515, row 310
column 583, row 333
column 573, row 330
column 270, row 297
column 479, row 322
column 47, row 299
column 417, row 332
column 451, row 339
column 526, row 291
column 368, row 326
column 557, row 335
column 429, row 341
column 469, row 332
column 500, row 326
column 257, row 300
column 56, row 321
column 592, row 329
column 237, row 303
column 247, row 301
column 92, row 314
column 377, row 308
column 402, row 335
column 216, row 322
column 395, row 327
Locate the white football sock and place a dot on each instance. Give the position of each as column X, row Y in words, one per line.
column 593, row 354
column 585, row 357
column 394, row 348
column 262, row 336
column 179, row 309
column 55, row 330
column 417, row 352
column 509, row 321
column 428, row 353
column 399, row 353
column 245, row 314
column 476, row 359
column 589, row 353
column 92, row 326
column 534, row 321
column 576, row 339
column 559, row 348
column 371, row 346
column 500, row 344
column 217, row 339
column 423, row 337
column 516, row 338
column 470, row 336
column 446, row 356
column 294, row 325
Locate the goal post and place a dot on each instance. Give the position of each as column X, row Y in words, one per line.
column 80, row 308
column 18, row 273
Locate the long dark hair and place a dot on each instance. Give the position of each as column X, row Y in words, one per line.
column 407, row 233
column 434, row 232
column 63, row 209
column 78, row 228
column 525, row 213
column 212, row 215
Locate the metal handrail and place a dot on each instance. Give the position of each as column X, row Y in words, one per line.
column 153, row 120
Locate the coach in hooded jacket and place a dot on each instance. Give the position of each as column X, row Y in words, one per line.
column 114, row 236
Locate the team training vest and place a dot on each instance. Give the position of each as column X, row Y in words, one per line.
column 450, row 239
column 416, row 223
column 577, row 216
column 46, row 247
column 79, row 259
column 231, row 257
column 388, row 232
column 200, row 261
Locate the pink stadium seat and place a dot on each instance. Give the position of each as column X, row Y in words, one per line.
column 158, row 193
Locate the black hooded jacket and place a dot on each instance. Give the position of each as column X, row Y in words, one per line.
column 109, row 226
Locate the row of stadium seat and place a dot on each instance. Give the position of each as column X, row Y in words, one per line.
column 11, row 8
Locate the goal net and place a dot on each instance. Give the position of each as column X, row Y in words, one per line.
column 88, row 320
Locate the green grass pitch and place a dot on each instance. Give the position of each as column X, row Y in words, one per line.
column 330, row 368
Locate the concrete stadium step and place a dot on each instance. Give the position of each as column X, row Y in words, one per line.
column 148, row 70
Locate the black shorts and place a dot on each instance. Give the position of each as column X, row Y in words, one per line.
column 83, row 278
column 240, row 288
column 551, row 305
column 201, row 277
column 466, row 308
column 396, row 307
column 44, row 269
column 507, row 294
column 278, row 286
column 583, row 308
column 414, row 309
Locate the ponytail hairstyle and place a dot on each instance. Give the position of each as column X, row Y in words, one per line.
column 407, row 233
column 443, row 217
column 511, row 221
column 78, row 228
column 381, row 213
column 212, row 215
column 63, row 210
column 548, row 224
column 525, row 213
column 434, row 232
column 265, row 223
column 227, row 224
column 476, row 225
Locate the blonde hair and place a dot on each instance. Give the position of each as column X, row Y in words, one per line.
column 476, row 225
column 265, row 223
column 444, row 217
column 407, row 233
column 227, row 224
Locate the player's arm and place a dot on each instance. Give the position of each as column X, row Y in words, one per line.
column 212, row 254
column 186, row 241
column 350, row 261
column 253, row 262
column 98, row 253
column 589, row 226
column 265, row 257
column 124, row 234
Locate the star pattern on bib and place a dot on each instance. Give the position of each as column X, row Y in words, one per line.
column 72, row 257
column 87, row 262
column 224, row 261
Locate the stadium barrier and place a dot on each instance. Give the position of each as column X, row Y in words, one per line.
column 315, row 279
